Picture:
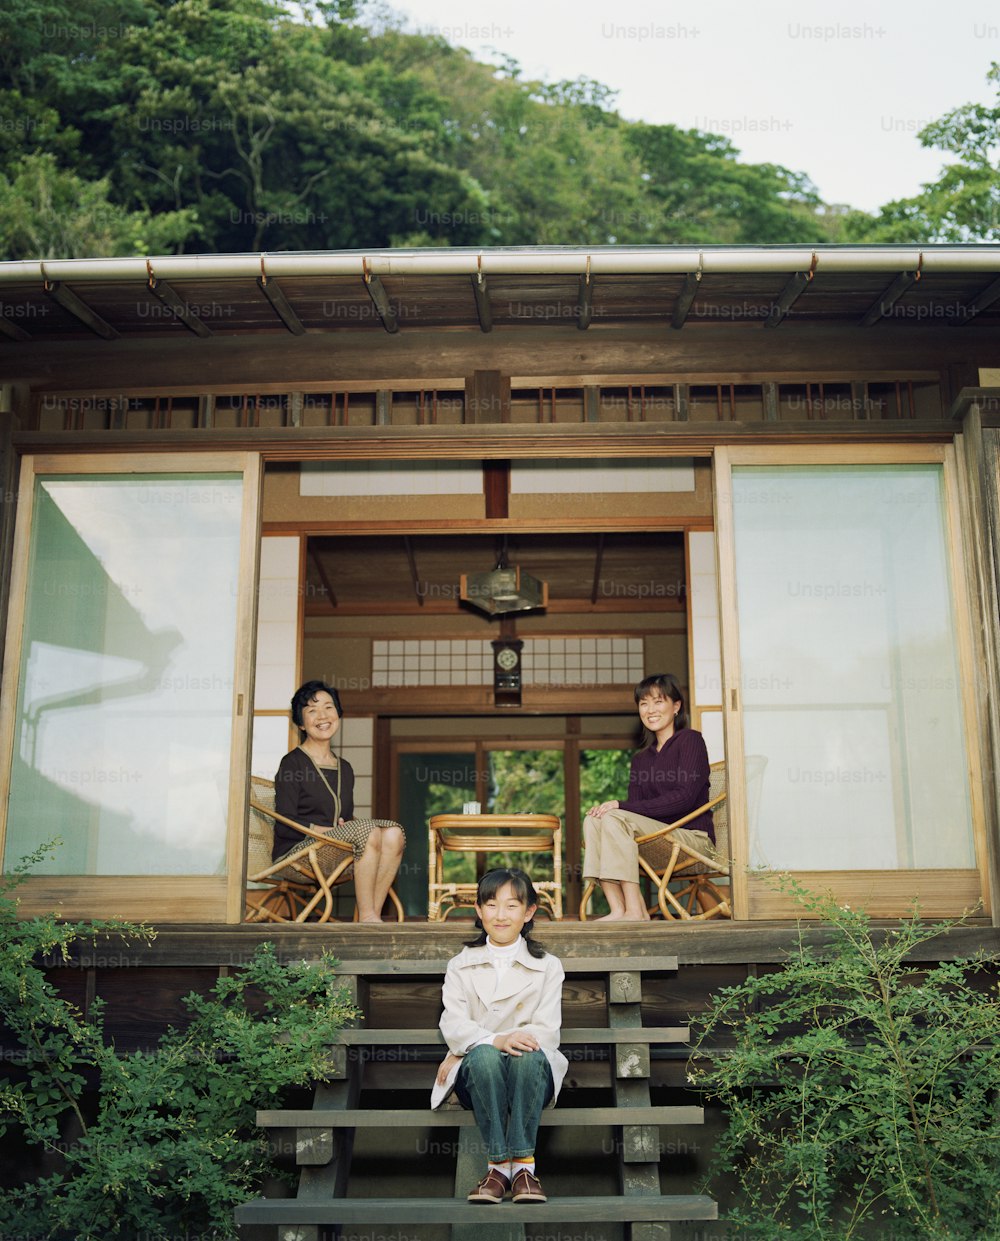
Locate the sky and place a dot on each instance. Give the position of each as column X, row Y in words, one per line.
column 838, row 91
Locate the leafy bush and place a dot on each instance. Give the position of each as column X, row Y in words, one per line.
column 860, row 1089
column 154, row 1144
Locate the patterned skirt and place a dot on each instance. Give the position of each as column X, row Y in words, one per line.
column 354, row 832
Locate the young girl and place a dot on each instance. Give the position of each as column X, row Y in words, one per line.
column 669, row 779
column 502, row 1013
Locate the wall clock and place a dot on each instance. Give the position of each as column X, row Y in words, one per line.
column 507, row 672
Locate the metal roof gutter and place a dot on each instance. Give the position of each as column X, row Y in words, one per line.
column 529, row 260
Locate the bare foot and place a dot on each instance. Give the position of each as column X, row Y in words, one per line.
column 612, row 917
column 371, row 918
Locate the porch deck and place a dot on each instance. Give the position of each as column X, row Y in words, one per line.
column 694, row 943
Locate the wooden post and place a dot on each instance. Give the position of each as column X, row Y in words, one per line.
column 487, row 397
column 639, row 1156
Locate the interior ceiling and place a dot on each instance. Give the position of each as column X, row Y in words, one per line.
column 387, row 572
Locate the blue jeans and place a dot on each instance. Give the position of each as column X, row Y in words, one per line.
column 507, row 1095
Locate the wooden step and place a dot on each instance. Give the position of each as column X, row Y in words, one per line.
column 387, row 968
column 640, row 1209
column 450, row 1117
column 580, row 1036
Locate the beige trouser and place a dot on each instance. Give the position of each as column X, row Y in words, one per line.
column 610, row 851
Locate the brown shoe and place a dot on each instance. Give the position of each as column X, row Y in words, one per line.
column 526, row 1187
column 491, row 1188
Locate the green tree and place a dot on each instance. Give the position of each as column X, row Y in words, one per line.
column 160, row 1143
column 698, row 191
column 604, row 776
column 235, row 125
column 51, row 212
column 859, row 1088
column 964, row 203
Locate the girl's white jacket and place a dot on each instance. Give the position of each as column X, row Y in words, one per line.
column 479, row 1002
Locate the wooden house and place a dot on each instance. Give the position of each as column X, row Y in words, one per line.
column 770, row 470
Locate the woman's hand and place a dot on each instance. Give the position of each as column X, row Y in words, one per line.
column 516, row 1043
column 446, row 1066
column 597, row 812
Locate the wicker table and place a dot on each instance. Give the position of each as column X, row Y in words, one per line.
column 491, row 833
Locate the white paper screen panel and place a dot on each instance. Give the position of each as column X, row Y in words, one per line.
column 605, row 474
column 277, row 623
column 270, row 744
column 703, row 594
column 356, row 743
column 545, row 661
column 389, row 478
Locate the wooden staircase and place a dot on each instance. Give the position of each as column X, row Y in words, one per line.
column 327, row 1205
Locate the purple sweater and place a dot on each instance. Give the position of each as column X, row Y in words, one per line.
column 669, row 783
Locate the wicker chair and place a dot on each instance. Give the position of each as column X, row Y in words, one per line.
column 667, row 862
column 694, row 894
column 294, row 887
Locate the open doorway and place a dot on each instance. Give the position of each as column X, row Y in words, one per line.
column 373, row 595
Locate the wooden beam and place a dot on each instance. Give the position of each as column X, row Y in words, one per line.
column 414, row 575
column 376, row 291
column 69, row 301
column 585, row 303
column 598, row 561
column 988, row 296
column 487, row 397
column 12, row 330
column 323, row 577
column 685, row 298
column 281, row 305
column 878, row 309
column 458, row 443
column 483, row 308
column 452, row 608
column 795, row 286
column 356, row 359
column 496, row 488
column 175, row 303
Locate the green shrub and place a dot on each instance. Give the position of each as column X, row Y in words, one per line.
column 157, row 1144
column 860, row 1090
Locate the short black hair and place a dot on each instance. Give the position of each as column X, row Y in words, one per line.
column 306, row 693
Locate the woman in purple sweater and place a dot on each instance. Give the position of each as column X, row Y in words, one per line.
column 669, row 779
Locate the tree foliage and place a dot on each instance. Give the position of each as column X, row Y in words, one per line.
column 964, row 203
column 229, row 125
column 859, row 1088
column 156, row 1144
column 234, row 125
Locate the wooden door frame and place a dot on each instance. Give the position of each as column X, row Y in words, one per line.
column 897, row 885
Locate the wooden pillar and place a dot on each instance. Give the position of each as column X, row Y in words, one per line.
column 979, row 464
column 487, row 397
column 640, row 1145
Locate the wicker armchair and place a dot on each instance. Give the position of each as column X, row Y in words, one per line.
column 299, row 884
column 694, row 894
column 692, row 873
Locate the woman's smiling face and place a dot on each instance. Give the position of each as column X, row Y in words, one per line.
column 320, row 719
column 657, row 712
